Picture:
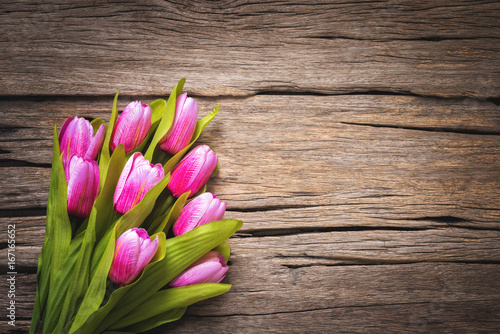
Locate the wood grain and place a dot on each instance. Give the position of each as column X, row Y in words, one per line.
column 444, row 48
column 359, row 142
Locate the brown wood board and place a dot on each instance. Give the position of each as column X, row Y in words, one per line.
column 358, row 141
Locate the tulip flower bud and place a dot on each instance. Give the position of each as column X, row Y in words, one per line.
column 133, row 251
column 210, row 268
column 137, row 178
column 132, row 126
column 204, row 209
column 77, row 138
column 193, row 171
column 82, row 177
column 180, row 133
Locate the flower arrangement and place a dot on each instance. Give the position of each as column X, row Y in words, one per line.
column 132, row 237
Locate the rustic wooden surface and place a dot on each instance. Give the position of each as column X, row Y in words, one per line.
column 359, row 143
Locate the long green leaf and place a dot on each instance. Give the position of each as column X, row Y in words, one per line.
column 106, row 216
column 58, row 223
column 61, row 282
column 165, row 300
column 105, row 155
column 97, row 288
column 42, row 290
column 166, row 120
column 44, row 259
column 182, row 251
column 200, row 126
column 80, row 276
column 157, row 320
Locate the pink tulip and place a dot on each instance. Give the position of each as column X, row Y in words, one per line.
column 83, row 185
column 204, row 209
column 193, row 171
column 180, row 133
column 133, row 251
column 132, row 126
column 137, row 178
column 210, row 268
column 77, row 138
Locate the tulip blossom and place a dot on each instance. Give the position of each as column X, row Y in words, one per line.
column 133, row 251
column 193, row 171
column 137, row 178
column 77, row 138
column 204, row 209
column 210, row 268
column 82, row 177
column 180, row 133
column 132, row 126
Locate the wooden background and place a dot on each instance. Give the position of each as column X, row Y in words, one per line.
column 358, row 140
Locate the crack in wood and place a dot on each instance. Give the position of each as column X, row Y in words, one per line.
column 429, row 129
column 22, row 163
column 380, row 263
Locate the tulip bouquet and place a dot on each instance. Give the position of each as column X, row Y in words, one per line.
column 132, row 237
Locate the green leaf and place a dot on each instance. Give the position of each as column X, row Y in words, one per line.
column 97, row 288
column 225, row 249
column 165, row 300
column 80, row 276
column 58, row 223
column 171, row 217
column 182, row 251
column 166, row 120
column 135, row 216
column 42, row 289
column 61, row 283
column 157, row 320
column 162, row 207
column 200, row 126
column 157, row 110
column 44, row 260
column 106, row 215
column 105, row 155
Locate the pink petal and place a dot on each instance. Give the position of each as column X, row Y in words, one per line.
column 145, row 256
column 219, row 214
column 96, row 143
column 83, row 185
column 193, row 171
column 210, row 267
column 132, row 126
column 180, row 133
column 125, row 258
column 192, row 213
column 124, row 177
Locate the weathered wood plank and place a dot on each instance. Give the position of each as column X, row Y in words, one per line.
column 436, row 297
column 27, row 123
column 293, row 248
column 445, row 48
column 312, row 161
